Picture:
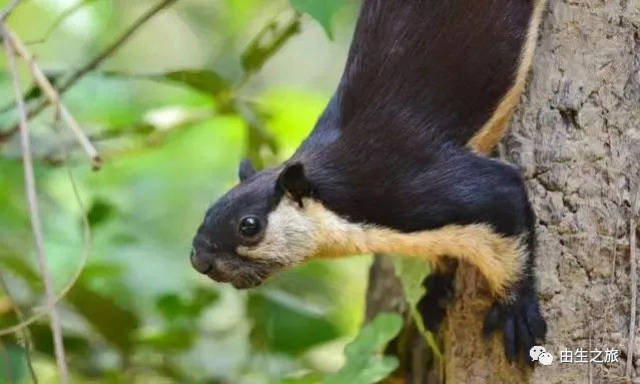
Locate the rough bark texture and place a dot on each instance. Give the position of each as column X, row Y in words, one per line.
column 576, row 137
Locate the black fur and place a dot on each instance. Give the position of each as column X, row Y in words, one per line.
column 246, row 170
column 521, row 321
column 433, row 305
column 422, row 78
column 293, row 180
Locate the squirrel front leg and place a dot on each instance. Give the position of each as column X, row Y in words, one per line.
column 474, row 209
column 493, row 229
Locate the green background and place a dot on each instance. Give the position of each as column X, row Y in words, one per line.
column 172, row 112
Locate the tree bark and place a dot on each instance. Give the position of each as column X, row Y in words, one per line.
column 576, row 137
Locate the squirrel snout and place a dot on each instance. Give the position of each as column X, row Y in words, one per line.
column 199, row 263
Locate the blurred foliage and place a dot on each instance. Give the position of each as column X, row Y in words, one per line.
column 13, row 367
column 323, row 11
column 172, row 112
column 365, row 362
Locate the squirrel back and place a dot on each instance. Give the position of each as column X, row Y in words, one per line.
column 423, row 72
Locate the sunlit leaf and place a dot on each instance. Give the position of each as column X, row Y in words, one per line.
column 412, row 273
column 365, row 362
column 323, row 11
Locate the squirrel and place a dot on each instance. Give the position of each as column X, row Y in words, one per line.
column 398, row 163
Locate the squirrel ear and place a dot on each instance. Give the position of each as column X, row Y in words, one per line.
column 292, row 180
column 246, row 169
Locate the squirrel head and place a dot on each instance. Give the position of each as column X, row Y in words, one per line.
column 259, row 227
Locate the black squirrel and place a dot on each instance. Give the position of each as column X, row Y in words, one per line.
column 396, row 163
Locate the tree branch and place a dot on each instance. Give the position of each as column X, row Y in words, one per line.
column 53, row 96
column 8, row 9
column 93, row 63
column 32, row 200
column 40, row 311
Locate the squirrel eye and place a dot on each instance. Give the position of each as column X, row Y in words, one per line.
column 249, row 226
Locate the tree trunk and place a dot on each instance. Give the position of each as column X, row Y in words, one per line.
column 576, row 137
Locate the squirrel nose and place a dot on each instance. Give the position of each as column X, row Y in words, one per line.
column 200, row 264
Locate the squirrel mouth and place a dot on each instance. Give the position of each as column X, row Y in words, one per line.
column 243, row 280
column 246, row 284
column 229, row 268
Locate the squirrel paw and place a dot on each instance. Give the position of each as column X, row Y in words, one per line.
column 521, row 322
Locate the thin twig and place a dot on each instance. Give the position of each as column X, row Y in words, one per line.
column 42, row 311
column 258, row 52
column 32, row 200
column 53, row 96
column 93, row 63
column 86, row 250
column 634, row 283
column 26, row 334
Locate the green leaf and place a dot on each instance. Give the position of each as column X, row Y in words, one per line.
column 199, row 79
column 268, row 41
column 365, row 362
column 258, row 135
column 412, row 273
column 43, row 341
column 202, row 80
column 311, row 378
column 321, row 10
column 21, row 268
column 101, row 210
column 102, row 270
column 180, row 315
column 173, row 307
column 284, row 323
column 173, row 339
column 113, row 322
column 13, row 364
